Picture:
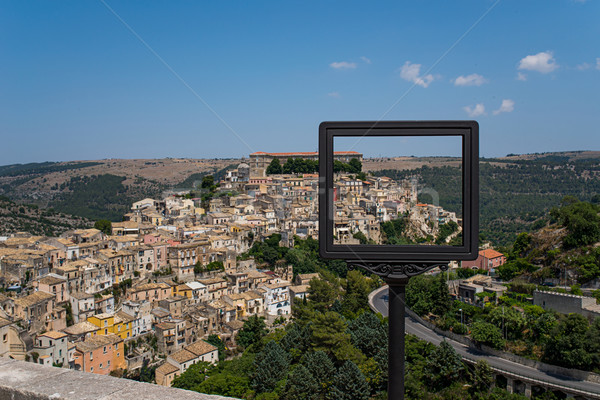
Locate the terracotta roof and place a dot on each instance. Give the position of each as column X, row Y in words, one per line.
column 166, row 369
column 299, row 288
column 52, row 279
column 235, row 324
column 200, row 347
column 80, row 328
column 182, row 356
column 490, row 253
column 34, row 298
column 97, row 341
column 123, row 317
column 54, row 334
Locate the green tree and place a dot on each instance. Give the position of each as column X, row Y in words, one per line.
column 274, row 167
column 297, row 340
column 566, row 345
column 357, row 288
column 290, row 166
column 521, row 245
column 271, row 365
column 69, row 309
column 301, row 385
column 543, row 326
column 253, row 330
column 482, row 377
column 208, row 182
column 428, row 294
column 321, row 368
column 444, row 366
column 511, row 319
column 192, row 377
column 329, row 335
column 514, row 268
column 354, row 166
column 104, row 225
column 349, row 384
column 225, row 384
column 487, row 334
column 361, row 237
column 339, row 166
column 582, row 222
column 216, row 341
column 322, row 293
column 368, row 334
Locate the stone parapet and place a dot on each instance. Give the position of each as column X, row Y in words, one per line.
column 21, row 380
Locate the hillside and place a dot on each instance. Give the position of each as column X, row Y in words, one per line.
column 566, row 248
column 101, row 188
column 30, row 218
column 515, row 191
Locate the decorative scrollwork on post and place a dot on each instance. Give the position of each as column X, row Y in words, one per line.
column 397, row 270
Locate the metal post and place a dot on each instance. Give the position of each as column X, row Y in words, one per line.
column 397, row 290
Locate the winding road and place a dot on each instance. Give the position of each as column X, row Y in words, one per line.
column 378, row 302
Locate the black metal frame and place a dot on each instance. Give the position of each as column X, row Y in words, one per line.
column 467, row 130
column 396, row 264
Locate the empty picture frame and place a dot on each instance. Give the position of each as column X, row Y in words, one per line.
column 402, row 208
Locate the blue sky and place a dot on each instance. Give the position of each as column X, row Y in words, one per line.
column 153, row 79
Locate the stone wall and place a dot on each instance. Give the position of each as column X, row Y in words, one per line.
column 564, row 303
column 21, row 380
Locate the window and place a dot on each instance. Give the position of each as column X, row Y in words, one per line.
column 91, row 369
column 106, row 323
column 91, row 356
column 104, row 349
column 108, row 363
column 5, row 337
column 100, row 365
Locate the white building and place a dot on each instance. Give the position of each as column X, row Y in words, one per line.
column 277, row 298
column 141, row 314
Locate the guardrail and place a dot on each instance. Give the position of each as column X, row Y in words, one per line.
column 466, row 342
column 539, row 382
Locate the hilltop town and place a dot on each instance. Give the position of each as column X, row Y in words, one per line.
column 176, row 270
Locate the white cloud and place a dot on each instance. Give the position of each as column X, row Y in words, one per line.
column 334, row 94
column 365, row 59
column 507, row 106
column 521, row 76
column 583, row 67
column 598, row 63
column 470, row 80
column 476, row 111
column 543, row 62
column 343, row 65
column 411, row 72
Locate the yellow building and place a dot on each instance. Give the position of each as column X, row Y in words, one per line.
column 118, row 324
column 182, row 290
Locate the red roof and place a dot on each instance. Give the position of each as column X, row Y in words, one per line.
column 303, row 153
column 490, row 253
